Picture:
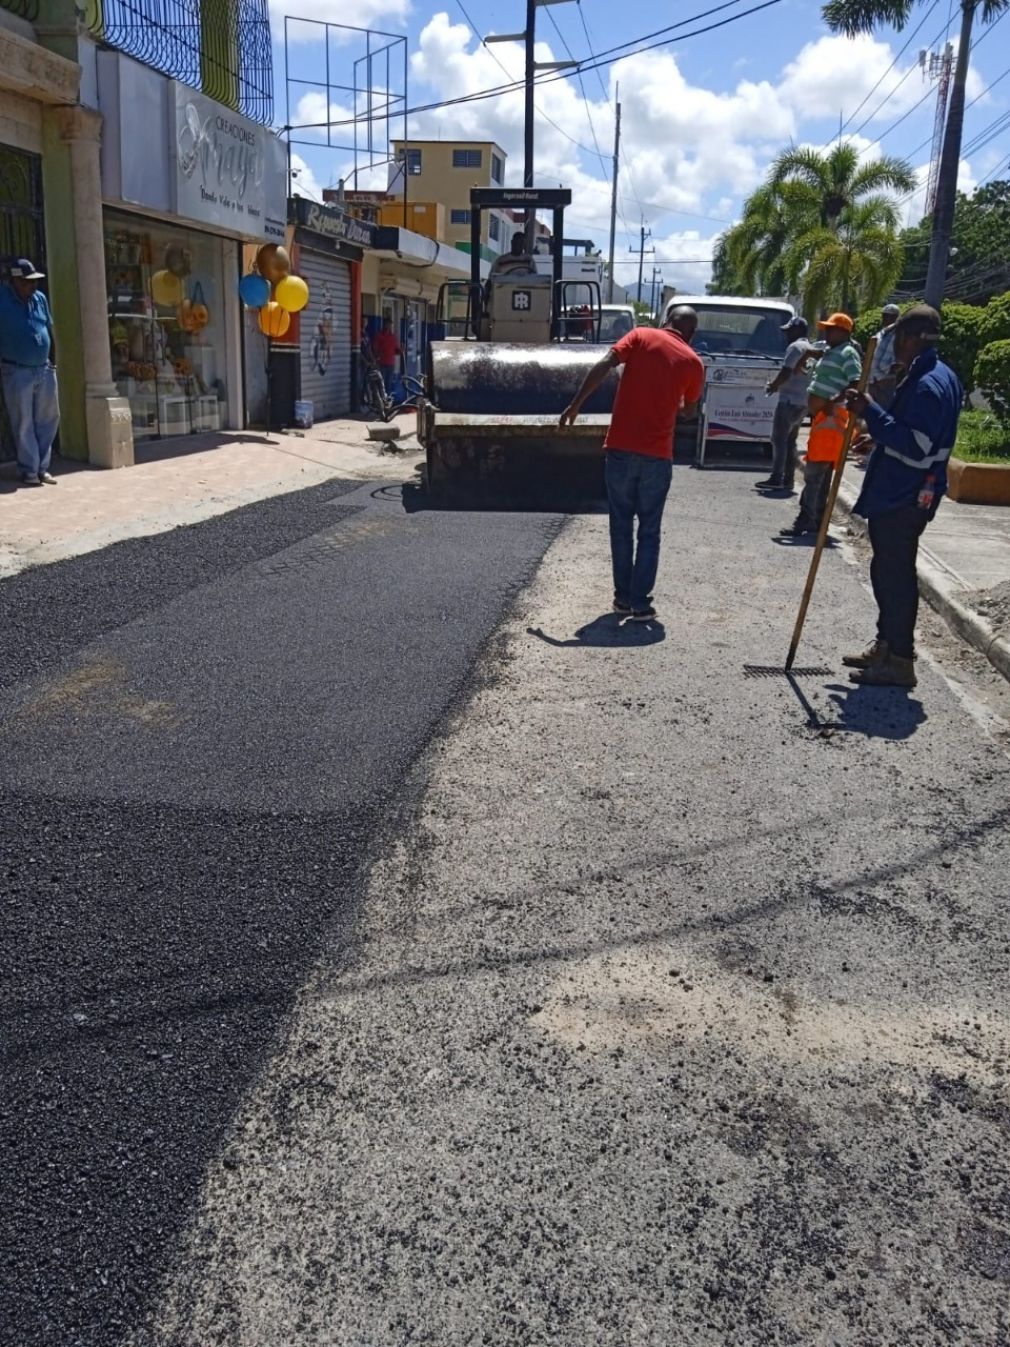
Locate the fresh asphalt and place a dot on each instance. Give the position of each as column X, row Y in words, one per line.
column 202, row 733
column 399, row 950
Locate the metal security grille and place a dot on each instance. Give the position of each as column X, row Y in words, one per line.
column 221, row 47
column 326, row 335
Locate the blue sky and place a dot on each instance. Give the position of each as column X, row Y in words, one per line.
column 701, row 118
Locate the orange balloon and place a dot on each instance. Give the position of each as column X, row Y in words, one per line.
column 274, row 321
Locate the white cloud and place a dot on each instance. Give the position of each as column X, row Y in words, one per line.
column 303, row 180
column 915, row 208
column 366, row 13
column 834, row 74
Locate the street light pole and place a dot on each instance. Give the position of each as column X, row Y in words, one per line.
column 613, row 199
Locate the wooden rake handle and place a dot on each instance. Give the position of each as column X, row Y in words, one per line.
column 829, row 509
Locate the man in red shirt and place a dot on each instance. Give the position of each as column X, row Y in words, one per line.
column 386, row 349
column 661, row 374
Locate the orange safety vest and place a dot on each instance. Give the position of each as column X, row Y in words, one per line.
column 827, row 435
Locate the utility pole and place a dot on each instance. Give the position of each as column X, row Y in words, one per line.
column 655, row 292
column 946, row 177
column 613, row 198
column 642, row 250
column 529, row 38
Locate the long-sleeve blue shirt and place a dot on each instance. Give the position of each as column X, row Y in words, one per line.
column 914, row 438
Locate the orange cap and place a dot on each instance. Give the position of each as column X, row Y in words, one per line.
column 841, row 320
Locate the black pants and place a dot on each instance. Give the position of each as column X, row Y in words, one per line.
column 894, row 538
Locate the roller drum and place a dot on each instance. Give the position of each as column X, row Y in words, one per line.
column 505, row 377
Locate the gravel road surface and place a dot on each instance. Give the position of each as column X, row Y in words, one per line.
column 610, row 997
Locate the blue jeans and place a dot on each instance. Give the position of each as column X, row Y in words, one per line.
column 637, row 486
column 388, row 378
column 33, row 407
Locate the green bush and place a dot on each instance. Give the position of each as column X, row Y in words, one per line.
column 995, row 324
column 960, row 340
column 982, row 438
column 992, row 373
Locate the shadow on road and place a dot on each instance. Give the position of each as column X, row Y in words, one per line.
column 877, row 713
column 607, row 630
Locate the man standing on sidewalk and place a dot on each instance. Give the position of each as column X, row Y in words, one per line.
column 883, row 371
column 27, row 374
column 905, row 480
column 386, row 348
column 791, row 385
column 661, row 374
column 838, row 368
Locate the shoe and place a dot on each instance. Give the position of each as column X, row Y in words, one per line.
column 890, row 672
column 620, row 606
column 47, row 478
column 873, row 654
column 30, row 479
column 643, row 614
column 795, row 531
column 769, row 484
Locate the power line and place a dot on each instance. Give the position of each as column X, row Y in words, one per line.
column 604, row 60
column 897, row 58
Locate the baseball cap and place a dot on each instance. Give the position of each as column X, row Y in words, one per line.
column 24, row 270
column 890, row 308
column 795, row 324
column 922, row 319
column 841, row 320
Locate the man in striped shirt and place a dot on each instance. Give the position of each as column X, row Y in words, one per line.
column 838, row 369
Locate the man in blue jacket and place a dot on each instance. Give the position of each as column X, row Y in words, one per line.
column 906, row 478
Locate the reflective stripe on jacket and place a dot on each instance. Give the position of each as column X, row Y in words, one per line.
column 913, row 439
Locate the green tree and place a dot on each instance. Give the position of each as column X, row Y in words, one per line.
column 862, row 16
column 822, row 226
column 979, row 265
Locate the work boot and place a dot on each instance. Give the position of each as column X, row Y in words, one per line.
column 891, row 672
column 873, row 654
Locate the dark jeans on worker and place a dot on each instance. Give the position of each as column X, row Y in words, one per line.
column 637, row 487
column 817, row 484
column 785, row 430
column 895, row 540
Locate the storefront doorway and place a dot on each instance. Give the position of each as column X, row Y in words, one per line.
column 167, row 291
column 22, row 234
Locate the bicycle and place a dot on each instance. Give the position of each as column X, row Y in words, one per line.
column 382, row 404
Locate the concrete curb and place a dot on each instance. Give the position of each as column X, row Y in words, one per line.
column 938, row 589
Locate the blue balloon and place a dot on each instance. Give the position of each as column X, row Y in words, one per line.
column 254, row 291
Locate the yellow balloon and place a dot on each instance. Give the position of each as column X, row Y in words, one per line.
column 292, row 294
column 166, row 288
column 274, row 321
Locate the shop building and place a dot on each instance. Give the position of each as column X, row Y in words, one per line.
column 180, row 200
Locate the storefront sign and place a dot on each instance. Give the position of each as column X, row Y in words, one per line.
column 331, row 223
column 230, row 172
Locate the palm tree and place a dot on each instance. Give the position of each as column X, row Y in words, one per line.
column 862, row 16
column 853, row 264
column 822, row 226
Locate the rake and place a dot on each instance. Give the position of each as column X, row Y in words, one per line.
column 768, row 670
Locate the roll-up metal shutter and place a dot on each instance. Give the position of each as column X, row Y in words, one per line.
column 326, row 334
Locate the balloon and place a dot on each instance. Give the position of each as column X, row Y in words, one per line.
column 166, row 289
column 273, row 262
column 274, row 321
column 292, row 294
column 254, row 291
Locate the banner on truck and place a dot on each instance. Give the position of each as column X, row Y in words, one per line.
column 739, row 412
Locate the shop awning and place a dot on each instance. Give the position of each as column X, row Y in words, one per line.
column 426, row 257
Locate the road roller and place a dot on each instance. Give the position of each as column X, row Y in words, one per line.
column 495, row 394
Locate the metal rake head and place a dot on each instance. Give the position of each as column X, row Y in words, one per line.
column 780, row 671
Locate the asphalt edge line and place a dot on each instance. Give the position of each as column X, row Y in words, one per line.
column 936, row 587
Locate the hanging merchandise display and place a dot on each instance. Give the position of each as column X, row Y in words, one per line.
column 193, row 312
column 292, row 294
column 167, row 331
column 274, row 321
column 166, row 288
column 254, row 291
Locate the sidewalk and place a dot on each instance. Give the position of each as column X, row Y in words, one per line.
column 183, row 481
column 964, row 570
